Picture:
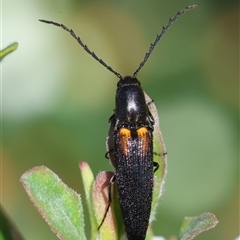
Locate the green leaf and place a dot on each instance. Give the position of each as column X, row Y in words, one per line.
column 59, row 205
column 160, row 174
column 8, row 230
column 12, row 47
column 193, row 226
column 88, row 181
column 109, row 228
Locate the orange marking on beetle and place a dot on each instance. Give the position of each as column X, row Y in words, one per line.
column 144, row 137
column 125, row 132
column 142, row 131
column 125, row 135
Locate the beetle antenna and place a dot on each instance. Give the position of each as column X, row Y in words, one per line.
column 159, row 36
column 85, row 47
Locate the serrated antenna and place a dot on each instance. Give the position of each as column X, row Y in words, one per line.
column 159, row 36
column 84, row 46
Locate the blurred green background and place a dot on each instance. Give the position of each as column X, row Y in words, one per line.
column 56, row 101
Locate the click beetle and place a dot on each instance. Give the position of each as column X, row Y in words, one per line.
column 130, row 143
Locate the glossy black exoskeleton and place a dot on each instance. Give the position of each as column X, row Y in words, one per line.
column 130, row 144
column 133, row 155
